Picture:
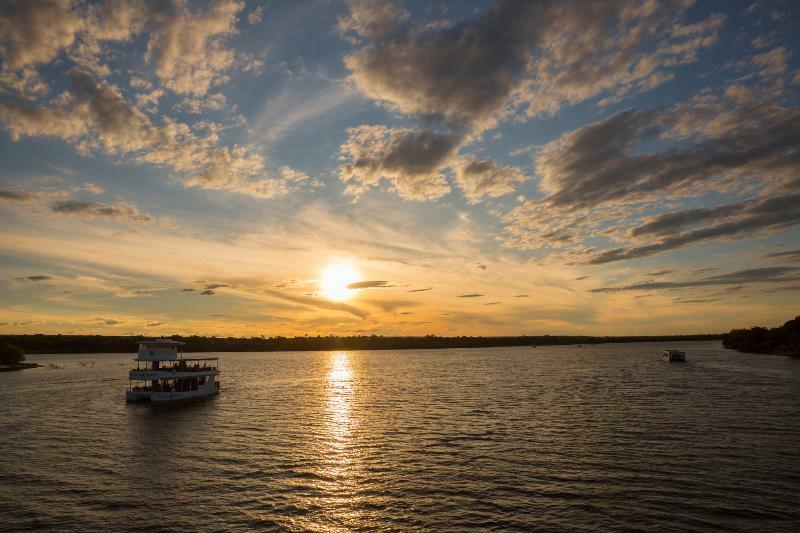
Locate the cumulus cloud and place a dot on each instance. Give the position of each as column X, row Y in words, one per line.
column 35, row 32
column 412, row 160
column 534, row 56
column 413, row 70
column 415, row 163
column 371, row 18
column 481, row 178
column 740, row 277
column 611, row 49
column 256, row 15
column 188, row 47
column 93, row 114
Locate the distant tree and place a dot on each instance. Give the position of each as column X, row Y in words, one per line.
column 11, row 354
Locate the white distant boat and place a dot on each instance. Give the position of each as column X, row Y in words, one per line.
column 163, row 375
column 674, row 355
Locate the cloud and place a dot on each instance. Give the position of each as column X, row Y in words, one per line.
column 187, row 290
column 216, row 286
column 481, row 178
column 741, row 277
column 492, row 303
column 534, row 56
column 32, row 33
column 411, row 160
column 314, row 302
column 412, row 70
column 415, row 161
column 470, row 295
column 371, row 18
column 368, row 284
column 100, row 321
column 772, row 63
column 154, row 324
column 613, row 49
column 601, row 174
column 256, row 15
column 790, row 255
column 188, row 47
column 34, row 278
column 208, row 292
column 741, row 219
column 17, row 196
column 93, row 114
column 421, row 290
column 116, row 211
column 520, row 296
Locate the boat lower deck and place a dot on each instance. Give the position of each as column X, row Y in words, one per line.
column 186, row 389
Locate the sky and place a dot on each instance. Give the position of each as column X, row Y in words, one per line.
column 398, row 168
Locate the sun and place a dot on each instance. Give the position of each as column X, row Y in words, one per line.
column 335, row 280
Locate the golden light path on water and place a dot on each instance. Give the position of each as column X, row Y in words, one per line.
column 340, row 396
column 342, row 462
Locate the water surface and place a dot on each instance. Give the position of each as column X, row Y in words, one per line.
column 580, row 438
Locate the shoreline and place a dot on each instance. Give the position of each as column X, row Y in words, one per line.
column 19, row 366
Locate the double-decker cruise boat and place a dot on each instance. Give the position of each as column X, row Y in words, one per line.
column 163, row 375
column 674, row 355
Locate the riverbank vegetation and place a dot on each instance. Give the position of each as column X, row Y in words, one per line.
column 125, row 344
column 783, row 340
column 12, row 357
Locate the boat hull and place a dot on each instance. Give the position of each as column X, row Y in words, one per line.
column 210, row 389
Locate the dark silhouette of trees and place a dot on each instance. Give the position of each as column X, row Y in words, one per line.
column 11, row 354
column 122, row 344
column 783, row 340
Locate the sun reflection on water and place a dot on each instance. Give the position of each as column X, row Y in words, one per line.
column 340, row 393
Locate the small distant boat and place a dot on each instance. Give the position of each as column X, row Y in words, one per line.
column 163, row 375
column 674, row 356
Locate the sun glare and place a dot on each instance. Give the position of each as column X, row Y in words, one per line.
column 335, row 280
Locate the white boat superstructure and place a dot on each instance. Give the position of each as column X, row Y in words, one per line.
column 674, row 355
column 163, row 375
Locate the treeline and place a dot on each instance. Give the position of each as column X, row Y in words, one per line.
column 783, row 340
column 122, row 344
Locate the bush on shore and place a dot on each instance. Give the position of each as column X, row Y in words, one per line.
column 11, row 354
